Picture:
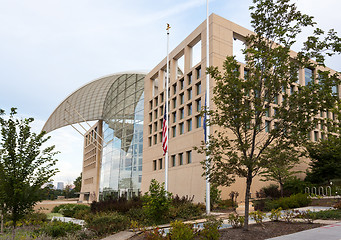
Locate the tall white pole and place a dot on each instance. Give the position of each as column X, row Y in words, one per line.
column 208, row 197
column 167, row 109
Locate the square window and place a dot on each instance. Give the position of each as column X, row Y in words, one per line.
column 182, row 113
column 189, row 109
column 198, row 105
column 198, row 72
column 198, row 86
column 189, row 125
column 160, row 163
column 174, row 131
column 174, row 117
column 154, row 165
column 182, row 98
column 181, row 84
column 174, row 88
column 155, row 139
column 198, row 121
column 189, row 79
column 174, row 102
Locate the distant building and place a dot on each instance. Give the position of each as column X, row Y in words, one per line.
column 60, row 186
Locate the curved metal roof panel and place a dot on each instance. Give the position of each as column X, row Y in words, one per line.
column 84, row 104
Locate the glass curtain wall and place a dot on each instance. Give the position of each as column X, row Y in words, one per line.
column 121, row 168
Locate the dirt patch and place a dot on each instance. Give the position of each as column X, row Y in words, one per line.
column 258, row 232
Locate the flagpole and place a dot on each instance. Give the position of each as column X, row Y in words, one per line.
column 166, row 106
column 208, row 197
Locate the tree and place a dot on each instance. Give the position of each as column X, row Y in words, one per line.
column 325, row 160
column 279, row 163
column 24, row 166
column 242, row 131
column 78, row 183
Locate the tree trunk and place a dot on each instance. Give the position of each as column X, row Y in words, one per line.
column 281, row 188
column 247, row 198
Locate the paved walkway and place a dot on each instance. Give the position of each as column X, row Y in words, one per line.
column 329, row 232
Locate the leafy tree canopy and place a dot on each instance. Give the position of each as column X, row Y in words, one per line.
column 24, row 165
column 268, row 85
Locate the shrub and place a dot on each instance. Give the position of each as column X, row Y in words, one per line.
column 155, row 234
column 139, row 215
column 271, row 191
column 227, row 203
column 294, row 185
column 294, row 201
column 181, row 231
column 211, row 227
column 69, row 210
column 186, row 211
column 215, row 195
column 121, row 204
column 276, row 214
column 308, row 216
column 236, row 221
column 288, row 216
column 337, row 205
column 82, row 214
column 156, row 202
column 81, row 235
column 334, row 214
column 59, row 229
column 258, row 216
column 178, row 201
column 107, row 223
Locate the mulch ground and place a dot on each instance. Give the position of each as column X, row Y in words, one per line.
column 258, row 232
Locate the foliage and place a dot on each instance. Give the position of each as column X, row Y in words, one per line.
column 215, row 196
column 258, row 216
column 243, row 100
column 294, row 201
column 308, row 215
column 338, row 205
column 288, row 216
column 59, row 229
column 271, row 191
column 78, row 183
column 155, row 234
column 186, row 211
column 325, row 160
column 280, row 162
column 25, row 166
column 156, row 202
column 181, row 231
column 294, row 186
column 120, row 204
column 178, row 201
column 334, row 214
column 236, row 221
column 276, row 214
column 107, row 223
column 227, row 203
column 211, row 227
column 71, row 210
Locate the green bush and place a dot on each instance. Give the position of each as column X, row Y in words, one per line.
column 70, row 210
column 59, row 229
column 157, row 201
column 276, row 214
column 271, row 191
column 181, row 231
column 258, row 216
column 226, row 204
column 186, row 211
column 236, row 221
column 334, row 214
column 82, row 214
column 294, row 201
column 294, row 185
column 107, row 223
column 337, row 205
column 211, row 229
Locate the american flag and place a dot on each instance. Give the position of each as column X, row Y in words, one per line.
column 164, row 132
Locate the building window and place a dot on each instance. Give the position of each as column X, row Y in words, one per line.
column 308, row 75
column 181, row 159
column 198, row 72
column 246, row 73
column 160, row 163
column 198, row 86
column 189, row 79
column 198, row 121
column 267, row 112
column 155, row 126
column 174, row 131
column 189, row 156
column 316, row 136
column 182, row 99
column 154, row 165
column 150, row 141
column 174, row 102
column 267, row 126
column 198, row 105
column 174, row 117
column 189, row 91
column 161, row 97
column 181, row 84
column 182, row 115
column 276, row 99
column 189, row 109
column 181, row 125
column 155, row 114
column 156, row 101
column 173, row 161
column 150, row 129
column 189, row 125
column 174, row 88
column 150, row 117
column 161, row 111
column 151, row 104
column 155, row 139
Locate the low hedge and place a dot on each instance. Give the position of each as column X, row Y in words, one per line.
column 107, row 223
column 294, row 201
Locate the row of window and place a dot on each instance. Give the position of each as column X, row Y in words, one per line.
column 177, row 129
column 175, row 160
column 173, row 90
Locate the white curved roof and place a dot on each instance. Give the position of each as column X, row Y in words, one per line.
column 86, row 103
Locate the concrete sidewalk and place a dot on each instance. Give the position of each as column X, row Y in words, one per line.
column 328, row 232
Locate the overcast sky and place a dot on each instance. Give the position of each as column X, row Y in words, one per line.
column 49, row 48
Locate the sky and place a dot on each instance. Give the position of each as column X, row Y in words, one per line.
column 50, row 48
